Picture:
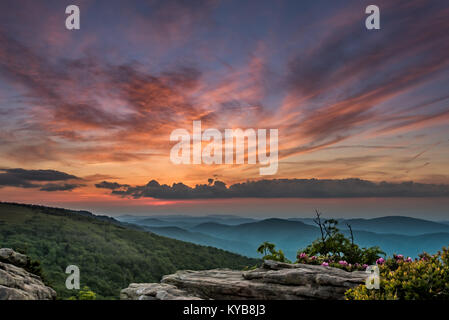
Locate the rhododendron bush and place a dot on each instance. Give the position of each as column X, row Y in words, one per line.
column 335, row 250
column 400, row 278
column 426, row 278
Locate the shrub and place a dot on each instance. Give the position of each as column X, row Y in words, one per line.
column 270, row 253
column 328, row 261
column 426, row 278
column 84, row 294
column 334, row 249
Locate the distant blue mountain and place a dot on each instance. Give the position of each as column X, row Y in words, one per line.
column 394, row 234
column 402, row 244
column 184, row 221
column 391, row 224
column 203, row 239
column 397, row 225
column 212, row 228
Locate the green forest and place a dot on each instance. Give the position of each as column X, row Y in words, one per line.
column 109, row 255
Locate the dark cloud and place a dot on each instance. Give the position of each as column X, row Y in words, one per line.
column 49, row 187
column 23, row 178
column 13, row 181
column 39, row 175
column 281, row 188
column 110, row 185
column 99, row 177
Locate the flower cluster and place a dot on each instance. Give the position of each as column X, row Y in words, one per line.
column 403, row 278
column 400, row 258
column 326, row 261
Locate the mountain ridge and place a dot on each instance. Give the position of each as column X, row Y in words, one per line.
column 291, row 236
column 110, row 255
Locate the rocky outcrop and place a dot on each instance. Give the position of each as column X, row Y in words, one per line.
column 155, row 291
column 273, row 281
column 18, row 284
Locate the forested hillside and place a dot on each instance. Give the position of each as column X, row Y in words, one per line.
column 110, row 255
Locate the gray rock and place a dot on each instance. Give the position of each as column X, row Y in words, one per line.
column 273, row 281
column 8, row 255
column 154, row 291
column 18, row 284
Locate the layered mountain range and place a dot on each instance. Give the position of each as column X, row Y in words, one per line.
column 393, row 234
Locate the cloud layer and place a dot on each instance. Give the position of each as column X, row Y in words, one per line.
column 44, row 180
column 103, row 100
column 280, row 188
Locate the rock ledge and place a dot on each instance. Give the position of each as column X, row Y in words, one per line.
column 18, row 284
column 273, row 281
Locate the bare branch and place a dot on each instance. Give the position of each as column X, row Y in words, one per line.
column 352, row 234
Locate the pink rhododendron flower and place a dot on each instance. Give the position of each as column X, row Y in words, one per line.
column 325, row 264
column 380, row 261
column 343, row 263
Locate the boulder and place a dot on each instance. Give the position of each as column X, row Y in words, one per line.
column 155, row 291
column 18, row 284
column 10, row 256
column 273, row 281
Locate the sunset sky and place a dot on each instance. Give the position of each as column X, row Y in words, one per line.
column 98, row 104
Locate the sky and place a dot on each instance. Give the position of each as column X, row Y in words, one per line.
column 86, row 115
